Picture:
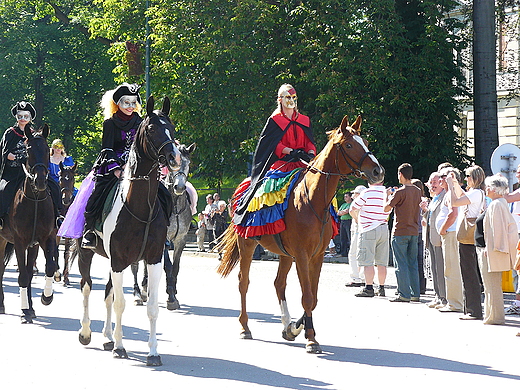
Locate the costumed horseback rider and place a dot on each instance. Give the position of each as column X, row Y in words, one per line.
column 14, row 156
column 285, row 140
column 121, row 107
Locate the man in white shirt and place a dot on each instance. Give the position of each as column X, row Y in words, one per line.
column 368, row 210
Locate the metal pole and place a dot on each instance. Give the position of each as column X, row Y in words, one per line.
column 147, row 55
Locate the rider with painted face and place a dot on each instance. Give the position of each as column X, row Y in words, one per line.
column 14, row 155
column 121, row 110
column 285, row 141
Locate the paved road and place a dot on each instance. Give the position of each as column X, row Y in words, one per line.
column 367, row 342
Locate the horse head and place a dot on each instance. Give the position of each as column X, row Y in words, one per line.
column 37, row 166
column 354, row 152
column 177, row 179
column 67, row 174
column 154, row 138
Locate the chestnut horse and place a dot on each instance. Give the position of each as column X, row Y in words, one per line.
column 308, row 214
column 134, row 229
column 30, row 224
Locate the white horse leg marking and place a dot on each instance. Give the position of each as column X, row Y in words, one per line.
column 152, row 307
column 119, row 308
column 47, row 290
column 109, row 303
column 286, row 317
column 24, row 298
column 85, row 321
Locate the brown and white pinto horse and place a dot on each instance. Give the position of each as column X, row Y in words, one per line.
column 31, row 224
column 135, row 229
column 307, row 216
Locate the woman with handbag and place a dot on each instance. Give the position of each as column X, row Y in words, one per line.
column 471, row 202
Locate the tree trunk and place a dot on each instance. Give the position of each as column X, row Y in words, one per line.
column 484, row 82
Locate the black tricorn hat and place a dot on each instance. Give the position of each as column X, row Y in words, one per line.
column 126, row 89
column 24, row 106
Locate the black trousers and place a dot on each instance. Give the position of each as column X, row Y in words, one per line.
column 471, row 280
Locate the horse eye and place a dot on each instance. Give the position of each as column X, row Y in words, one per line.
column 150, row 128
column 348, row 146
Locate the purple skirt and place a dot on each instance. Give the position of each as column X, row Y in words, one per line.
column 72, row 226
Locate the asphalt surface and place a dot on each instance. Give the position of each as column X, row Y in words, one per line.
column 367, row 342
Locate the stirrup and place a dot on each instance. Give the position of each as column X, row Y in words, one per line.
column 89, row 240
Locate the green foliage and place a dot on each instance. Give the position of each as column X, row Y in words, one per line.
column 222, row 61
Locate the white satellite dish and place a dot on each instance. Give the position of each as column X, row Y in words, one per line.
column 505, row 160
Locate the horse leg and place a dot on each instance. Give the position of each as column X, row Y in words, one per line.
column 309, row 286
column 66, row 261
column 3, row 264
column 119, row 307
column 84, row 264
column 152, row 308
column 107, row 328
column 144, row 283
column 138, row 299
column 290, row 329
column 50, row 268
column 57, row 273
column 172, row 302
column 24, row 281
column 246, row 257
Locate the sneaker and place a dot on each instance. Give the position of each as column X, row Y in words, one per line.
column 512, row 310
column 415, row 299
column 400, row 299
column 381, row 291
column 89, row 240
column 366, row 293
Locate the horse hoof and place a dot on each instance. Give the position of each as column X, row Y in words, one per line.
column 246, row 335
column 26, row 318
column 66, row 282
column 46, row 301
column 138, row 302
column 313, row 348
column 2, row 309
column 288, row 336
column 154, row 361
column 108, row 346
column 31, row 312
column 174, row 305
column 120, row 353
column 84, row 340
column 57, row 276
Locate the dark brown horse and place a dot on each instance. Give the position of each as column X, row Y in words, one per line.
column 308, row 229
column 135, row 229
column 67, row 180
column 30, row 224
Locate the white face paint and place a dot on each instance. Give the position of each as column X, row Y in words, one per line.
column 127, row 101
column 167, row 132
column 289, row 100
column 23, row 116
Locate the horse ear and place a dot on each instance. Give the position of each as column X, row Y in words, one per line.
column 192, row 148
column 45, row 130
column 28, row 132
column 74, row 166
column 357, row 124
column 149, row 105
column 61, row 165
column 344, row 124
column 166, row 106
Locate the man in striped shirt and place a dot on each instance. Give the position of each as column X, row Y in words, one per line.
column 368, row 209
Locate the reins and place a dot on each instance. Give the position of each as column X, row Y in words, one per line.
column 31, row 177
column 355, row 170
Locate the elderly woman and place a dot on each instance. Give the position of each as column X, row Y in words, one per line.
column 496, row 238
column 471, row 203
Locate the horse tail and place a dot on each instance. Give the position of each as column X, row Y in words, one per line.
column 9, row 249
column 228, row 248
